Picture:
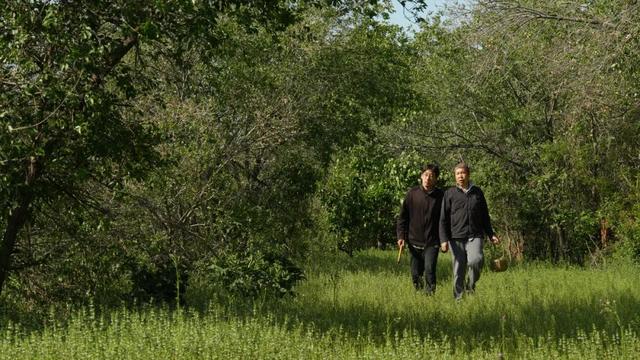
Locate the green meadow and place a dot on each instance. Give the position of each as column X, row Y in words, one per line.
column 365, row 307
column 177, row 176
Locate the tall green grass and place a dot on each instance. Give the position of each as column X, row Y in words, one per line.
column 365, row 307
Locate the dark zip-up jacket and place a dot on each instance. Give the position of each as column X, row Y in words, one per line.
column 420, row 217
column 464, row 215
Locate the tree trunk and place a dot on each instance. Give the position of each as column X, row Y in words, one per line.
column 561, row 244
column 15, row 222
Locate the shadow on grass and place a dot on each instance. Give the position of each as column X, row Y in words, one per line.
column 534, row 321
column 538, row 320
column 378, row 261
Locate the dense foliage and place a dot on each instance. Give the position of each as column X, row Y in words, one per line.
column 542, row 101
column 150, row 150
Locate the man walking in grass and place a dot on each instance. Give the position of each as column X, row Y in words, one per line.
column 464, row 222
column 418, row 228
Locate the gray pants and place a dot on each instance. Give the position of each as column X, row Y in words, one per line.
column 466, row 253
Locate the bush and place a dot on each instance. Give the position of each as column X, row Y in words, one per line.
column 363, row 194
column 241, row 276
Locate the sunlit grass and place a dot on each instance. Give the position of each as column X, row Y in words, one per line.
column 365, row 307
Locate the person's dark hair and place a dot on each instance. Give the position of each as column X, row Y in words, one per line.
column 463, row 165
column 435, row 169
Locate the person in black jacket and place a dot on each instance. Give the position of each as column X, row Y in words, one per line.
column 464, row 222
column 418, row 227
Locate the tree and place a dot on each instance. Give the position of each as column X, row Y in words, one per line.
column 541, row 97
column 251, row 143
column 78, row 86
column 68, row 76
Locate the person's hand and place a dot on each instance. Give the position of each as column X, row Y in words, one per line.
column 400, row 242
column 495, row 240
column 444, row 247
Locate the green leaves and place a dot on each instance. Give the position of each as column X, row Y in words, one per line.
column 363, row 192
column 75, row 79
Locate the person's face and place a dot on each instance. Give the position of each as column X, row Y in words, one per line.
column 462, row 177
column 428, row 179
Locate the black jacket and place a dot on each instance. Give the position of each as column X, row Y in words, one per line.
column 464, row 215
column 420, row 217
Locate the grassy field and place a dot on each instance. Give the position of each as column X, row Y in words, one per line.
column 365, row 307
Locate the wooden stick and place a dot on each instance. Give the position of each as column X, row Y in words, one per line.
column 400, row 252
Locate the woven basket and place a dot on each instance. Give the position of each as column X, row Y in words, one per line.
column 501, row 263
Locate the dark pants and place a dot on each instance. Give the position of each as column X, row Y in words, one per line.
column 423, row 261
